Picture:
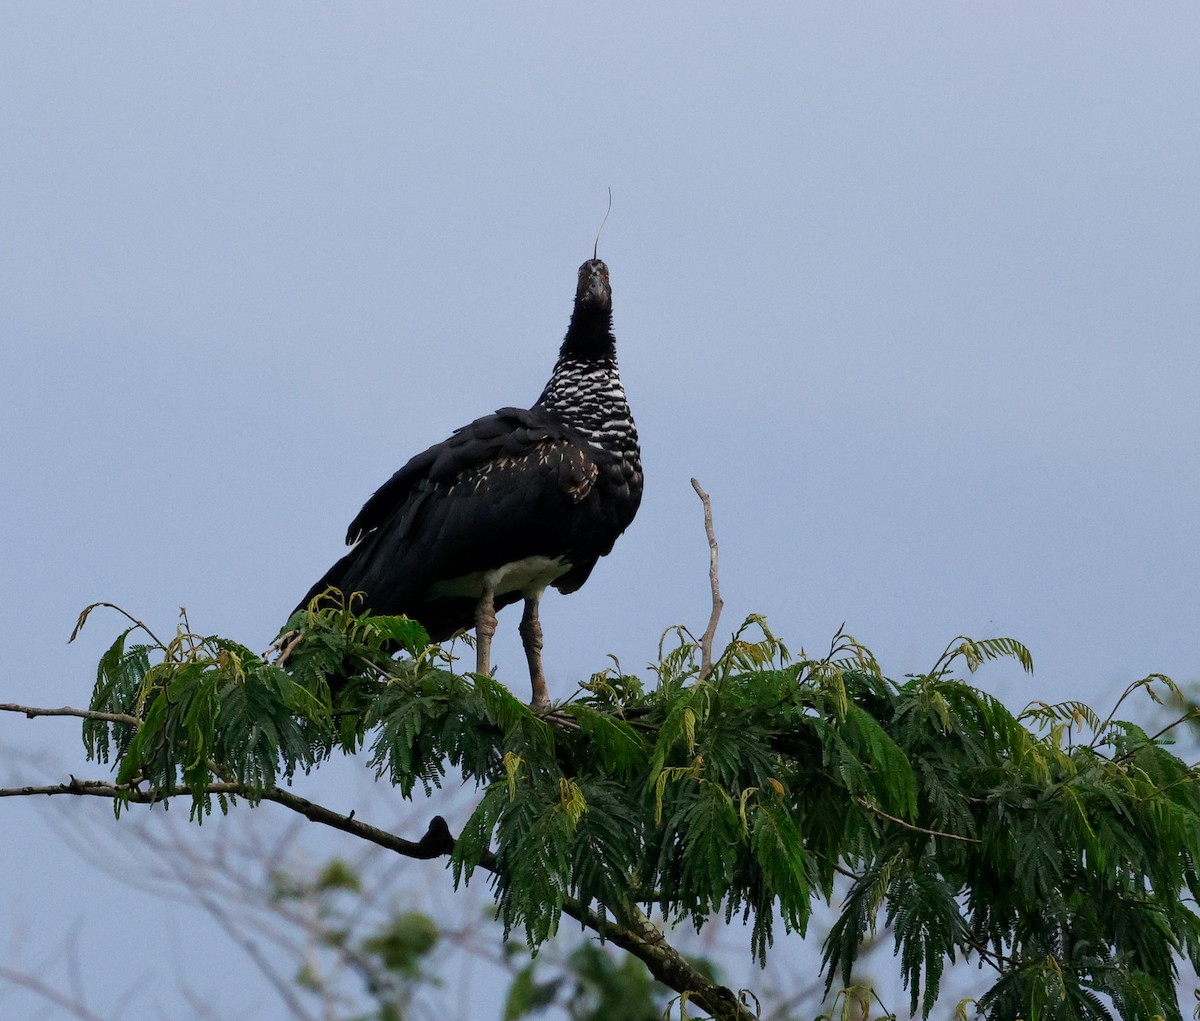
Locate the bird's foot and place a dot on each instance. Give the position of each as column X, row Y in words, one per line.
column 283, row 646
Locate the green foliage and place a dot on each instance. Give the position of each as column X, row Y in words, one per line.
column 591, row 985
column 387, row 956
column 1065, row 865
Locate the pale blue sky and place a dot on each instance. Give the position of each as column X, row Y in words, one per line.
column 912, row 289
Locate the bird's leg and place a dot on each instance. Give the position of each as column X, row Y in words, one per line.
column 531, row 638
column 485, row 627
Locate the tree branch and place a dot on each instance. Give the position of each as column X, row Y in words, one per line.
column 48, row 992
column 640, row 937
column 436, row 841
column 110, row 789
column 916, row 829
column 252, row 950
column 706, row 639
column 66, row 710
column 636, row 934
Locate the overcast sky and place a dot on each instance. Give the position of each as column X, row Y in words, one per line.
column 913, row 289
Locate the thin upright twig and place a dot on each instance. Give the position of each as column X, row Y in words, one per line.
column 706, row 639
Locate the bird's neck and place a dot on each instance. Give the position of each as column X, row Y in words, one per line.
column 585, row 388
column 587, row 394
column 585, row 374
column 589, row 336
column 578, row 384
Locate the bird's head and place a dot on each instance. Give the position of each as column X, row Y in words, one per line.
column 594, row 291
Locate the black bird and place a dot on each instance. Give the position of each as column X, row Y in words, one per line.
column 512, row 503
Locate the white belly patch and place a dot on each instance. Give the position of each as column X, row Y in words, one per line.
column 529, row 577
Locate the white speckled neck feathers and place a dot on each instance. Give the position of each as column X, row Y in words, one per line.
column 585, row 390
column 587, row 394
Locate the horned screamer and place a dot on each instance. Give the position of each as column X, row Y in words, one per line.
column 514, row 503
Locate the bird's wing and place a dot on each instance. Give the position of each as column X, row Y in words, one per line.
column 506, row 436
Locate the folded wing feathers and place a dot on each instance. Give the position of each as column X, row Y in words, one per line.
column 500, row 441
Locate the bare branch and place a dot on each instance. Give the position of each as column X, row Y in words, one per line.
column 66, row 710
column 281, row 986
column 111, row 789
column 916, row 829
column 635, row 933
column 706, row 639
column 436, row 841
column 48, row 992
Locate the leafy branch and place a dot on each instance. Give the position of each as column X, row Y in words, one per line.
column 961, row 830
column 745, row 783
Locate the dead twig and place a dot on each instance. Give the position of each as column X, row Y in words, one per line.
column 706, row 639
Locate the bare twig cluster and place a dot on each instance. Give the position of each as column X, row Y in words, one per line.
column 633, row 931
